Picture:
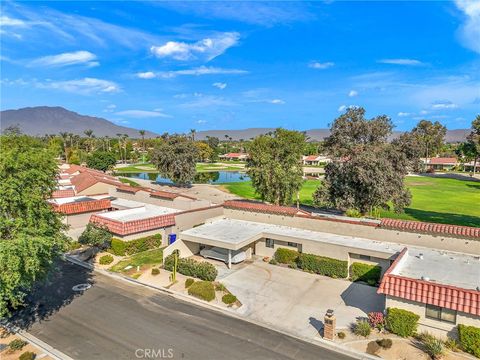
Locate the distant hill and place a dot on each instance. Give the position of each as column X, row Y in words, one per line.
column 41, row 120
column 457, row 135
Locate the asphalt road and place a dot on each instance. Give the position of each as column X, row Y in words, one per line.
column 117, row 320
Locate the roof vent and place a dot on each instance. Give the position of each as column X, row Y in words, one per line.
column 478, row 288
column 425, row 278
column 420, row 256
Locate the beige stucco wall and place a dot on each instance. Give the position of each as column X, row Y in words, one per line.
column 435, row 327
column 177, row 203
column 189, row 220
column 163, row 231
column 79, row 220
column 394, row 236
column 186, row 248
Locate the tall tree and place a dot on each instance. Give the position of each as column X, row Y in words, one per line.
column 431, row 137
column 192, row 134
column 64, row 137
column 101, row 160
column 31, row 235
column 89, row 133
column 367, row 172
column 275, row 166
column 142, row 134
column 176, row 159
column 473, row 141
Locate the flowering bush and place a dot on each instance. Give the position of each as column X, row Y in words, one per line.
column 376, row 320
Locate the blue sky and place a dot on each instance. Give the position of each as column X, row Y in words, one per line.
column 174, row 66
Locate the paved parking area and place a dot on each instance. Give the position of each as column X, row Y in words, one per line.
column 296, row 300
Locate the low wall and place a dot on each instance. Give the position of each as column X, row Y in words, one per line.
column 369, row 232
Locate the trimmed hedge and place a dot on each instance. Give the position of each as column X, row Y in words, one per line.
column 203, row 290
column 286, row 256
column 105, row 260
column 365, row 272
column 402, row 322
column 155, row 271
column 121, row 248
column 17, row 344
column 189, row 282
column 229, row 299
column 469, row 337
column 27, row 356
column 323, row 265
column 189, row 267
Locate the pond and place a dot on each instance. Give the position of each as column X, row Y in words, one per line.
column 210, row 177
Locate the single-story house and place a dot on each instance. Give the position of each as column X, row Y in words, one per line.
column 86, row 181
column 441, row 287
column 440, row 163
column 234, row 156
column 315, row 160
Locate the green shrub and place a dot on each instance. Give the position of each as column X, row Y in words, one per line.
column 402, row 322
column 286, row 256
column 155, row 271
column 203, row 290
column 385, row 343
column 189, row 267
column 136, row 275
column 105, row 260
column 469, row 337
column 17, row 344
column 96, row 235
column 452, row 344
column 27, row 356
column 432, row 346
column 341, row 335
column 362, row 328
column 143, row 244
column 373, row 348
column 74, row 245
column 118, row 247
column 323, row 265
column 229, row 299
column 364, row 272
column 273, row 261
column 189, row 283
column 220, row 287
column 353, row 213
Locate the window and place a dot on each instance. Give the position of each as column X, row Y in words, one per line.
column 439, row 313
column 269, row 243
column 292, row 244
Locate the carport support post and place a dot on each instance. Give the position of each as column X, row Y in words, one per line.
column 229, row 258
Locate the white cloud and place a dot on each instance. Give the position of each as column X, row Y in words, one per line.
column 403, row 114
column 146, row 75
column 66, row 59
column 201, row 122
column 470, row 30
column 206, row 49
column 201, row 70
column 7, row 21
column 342, row 108
column 408, row 62
column 220, row 85
column 142, row 114
column 277, row 102
column 319, row 65
column 353, row 93
column 423, row 112
column 207, row 101
column 443, row 105
column 110, row 108
column 85, row 86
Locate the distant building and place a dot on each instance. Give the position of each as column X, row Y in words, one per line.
column 234, row 156
column 315, row 160
column 440, row 163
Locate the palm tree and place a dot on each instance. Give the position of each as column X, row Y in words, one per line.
column 120, row 146
column 124, row 138
column 192, row 133
column 64, row 136
column 142, row 134
column 89, row 133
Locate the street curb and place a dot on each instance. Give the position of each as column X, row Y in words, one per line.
column 318, row 342
column 49, row 350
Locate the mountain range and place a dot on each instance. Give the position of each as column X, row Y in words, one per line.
column 43, row 120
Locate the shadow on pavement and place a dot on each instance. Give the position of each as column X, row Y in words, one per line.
column 52, row 294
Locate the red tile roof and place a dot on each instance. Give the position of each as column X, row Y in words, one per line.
column 263, row 208
column 235, row 155
column 450, row 297
column 443, row 160
column 311, row 157
column 80, row 207
column 128, row 188
column 86, row 179
column 135, row 226
column 431, row 228
column 63, row 193
column 169, row 195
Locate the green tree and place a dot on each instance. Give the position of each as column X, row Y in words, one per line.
column 473, row 140
column 176, row 159
column 431, row 136
column 31, row 237
column 367, row 172
column 205, row 152
column 97, row 236
column 101, row 160
column 275, row 166
column 142, row 134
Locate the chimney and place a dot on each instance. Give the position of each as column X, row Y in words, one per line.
column 329, row 328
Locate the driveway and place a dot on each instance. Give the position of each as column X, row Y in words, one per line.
column 297, row 301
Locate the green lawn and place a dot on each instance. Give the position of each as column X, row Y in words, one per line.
column 442, row 200
column 149, row 257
